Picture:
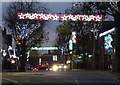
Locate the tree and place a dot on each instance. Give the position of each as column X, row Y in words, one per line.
column 110, row 12
column 34, row 32
column 112, row 9
column 63, row 33
column 86, row 28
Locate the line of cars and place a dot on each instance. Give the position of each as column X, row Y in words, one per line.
column 42, row 66
column 55, row 67
column 59, row 67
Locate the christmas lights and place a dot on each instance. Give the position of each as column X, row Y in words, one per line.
column 44, row 48
column 61, row 17
column 73, row 37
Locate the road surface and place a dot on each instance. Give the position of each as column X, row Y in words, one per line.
column 77, row 77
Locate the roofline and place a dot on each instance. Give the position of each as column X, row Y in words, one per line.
column 107, row 32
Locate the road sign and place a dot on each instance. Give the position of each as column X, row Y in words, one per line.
column 54, row 57
column 39, row 60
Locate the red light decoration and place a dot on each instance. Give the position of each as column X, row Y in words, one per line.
column 12, row 61
column 74, row 37
column 61, row 17
column 46, row 63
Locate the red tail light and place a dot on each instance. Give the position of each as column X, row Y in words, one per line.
column 46, row 63
column 36, row 69
column 39, row 63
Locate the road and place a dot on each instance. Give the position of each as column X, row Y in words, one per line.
column 76, row 77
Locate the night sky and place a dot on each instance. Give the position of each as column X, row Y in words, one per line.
column 55, row 8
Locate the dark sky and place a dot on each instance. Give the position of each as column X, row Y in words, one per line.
column 55, row 8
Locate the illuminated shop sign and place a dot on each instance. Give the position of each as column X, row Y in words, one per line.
column 44, row 48
column 107, row 41
column 70, row 45
column 54, row 57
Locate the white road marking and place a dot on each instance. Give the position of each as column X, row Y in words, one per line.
column 10, row 80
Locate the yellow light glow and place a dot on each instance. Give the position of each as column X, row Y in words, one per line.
column 60, row 66
column 55, row 68
column 65, row 66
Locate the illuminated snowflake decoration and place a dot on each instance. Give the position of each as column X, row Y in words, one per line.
column 91, row 17
column 70, row 17
column 56, row 17
column 74, row 18
column 35, row 16
column 21, row 16
column 62, row 17
column 27, row 15
column 44, row 17
column 40, row 16
column 49, row 16
column 98, row 18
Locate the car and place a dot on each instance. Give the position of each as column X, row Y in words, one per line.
column 35, row 69
column 43, row 65
column 59, row 67
column 62, row 67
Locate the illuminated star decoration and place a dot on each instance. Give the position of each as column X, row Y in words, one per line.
column 62, row 17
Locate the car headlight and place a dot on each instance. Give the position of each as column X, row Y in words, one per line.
column 60, row 66
column 55, row 68
column 65, row 67
column 50, row 69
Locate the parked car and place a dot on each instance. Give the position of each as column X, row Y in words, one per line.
column 43, row 65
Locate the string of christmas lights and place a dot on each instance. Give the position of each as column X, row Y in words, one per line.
column 61, row 17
